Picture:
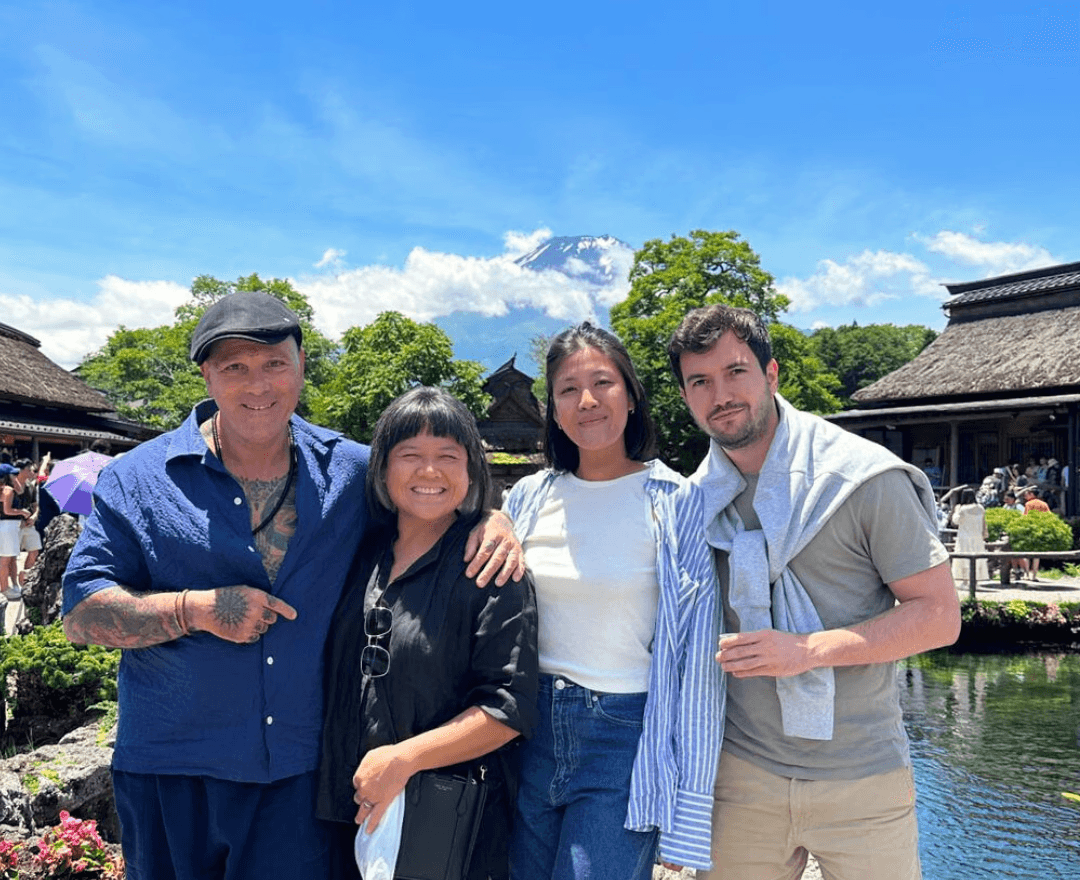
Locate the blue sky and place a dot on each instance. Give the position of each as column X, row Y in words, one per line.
column 398, row 155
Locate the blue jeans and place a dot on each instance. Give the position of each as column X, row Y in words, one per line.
column 575, row 786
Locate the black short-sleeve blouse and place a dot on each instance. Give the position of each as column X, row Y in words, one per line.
column 452, row 646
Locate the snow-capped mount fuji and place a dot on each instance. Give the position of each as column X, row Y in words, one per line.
column 599, row 260
column 595, row 267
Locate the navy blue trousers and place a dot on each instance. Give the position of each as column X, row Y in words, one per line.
column 200, row 828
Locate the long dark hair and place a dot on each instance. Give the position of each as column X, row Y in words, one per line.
column 440, row 414
column 640, row 436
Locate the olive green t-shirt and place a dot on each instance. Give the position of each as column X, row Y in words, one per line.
column 880, row 534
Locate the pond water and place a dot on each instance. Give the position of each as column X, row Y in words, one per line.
column 995, row 740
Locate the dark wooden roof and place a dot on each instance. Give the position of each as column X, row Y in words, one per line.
column 27, row 376
column 506, row 378
column 1015, row 333
column 512, row 409
column 1019, row 285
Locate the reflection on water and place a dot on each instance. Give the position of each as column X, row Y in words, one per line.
column 995, row 740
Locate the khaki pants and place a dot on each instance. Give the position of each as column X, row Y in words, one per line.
column 858, row 829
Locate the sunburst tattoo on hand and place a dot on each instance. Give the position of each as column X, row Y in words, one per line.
column 230, row 608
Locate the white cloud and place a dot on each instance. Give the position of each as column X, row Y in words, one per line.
column 872, row 277
column 432, row 284
column 574, row 266
column 518, row 244
column 69, row 329
column 331, row 257
column 992, row 257
column 867, row 279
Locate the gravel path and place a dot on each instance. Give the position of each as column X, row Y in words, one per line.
column 1065, row 589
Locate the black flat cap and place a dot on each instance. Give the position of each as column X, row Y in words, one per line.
column 246, row 314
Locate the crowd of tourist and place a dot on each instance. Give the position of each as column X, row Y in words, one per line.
column 1045, row 480
column 19, row 520
column 1040, row 486
column 26, row 509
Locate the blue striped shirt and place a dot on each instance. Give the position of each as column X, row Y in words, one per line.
column 675, row 769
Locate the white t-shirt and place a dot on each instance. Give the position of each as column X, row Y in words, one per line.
column 592, row 554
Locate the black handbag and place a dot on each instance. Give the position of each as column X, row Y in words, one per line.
column 443, row 811
column 442, row 819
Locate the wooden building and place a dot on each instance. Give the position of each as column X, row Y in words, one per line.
column 1000, row 385
column 45, row 408
column 514, row 421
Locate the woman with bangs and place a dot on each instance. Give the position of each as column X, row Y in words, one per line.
column 424, row 670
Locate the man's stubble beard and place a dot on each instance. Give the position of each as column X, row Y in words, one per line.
column 754, row 430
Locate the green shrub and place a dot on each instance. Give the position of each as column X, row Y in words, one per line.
column 1073, row 522
column 1017, row 610
column 52, row 673
column 972, row 611
column 507, row 458
column 1040, row 530
column 990, row 622
column 998, row 520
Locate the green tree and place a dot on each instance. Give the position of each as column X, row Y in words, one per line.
column 383, row 360
column 667, row 280
column 859, row 356
column 804, row 381
column 207, row 290
column 538, row 348
column 147, row 373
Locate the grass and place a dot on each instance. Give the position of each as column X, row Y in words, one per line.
column 1056, row 571
column 109, row 709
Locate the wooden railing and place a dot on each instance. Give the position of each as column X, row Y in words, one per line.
column 1006, row 557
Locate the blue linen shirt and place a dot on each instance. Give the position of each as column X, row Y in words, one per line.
column 167, row 517
column 674, row 774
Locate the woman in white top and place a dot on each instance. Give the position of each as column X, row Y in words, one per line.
column 12, row 516
column 970, row 521
column 609, row 537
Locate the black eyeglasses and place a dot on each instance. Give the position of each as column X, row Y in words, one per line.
column 375, row 659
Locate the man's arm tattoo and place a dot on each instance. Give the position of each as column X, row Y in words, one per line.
column 119, row 618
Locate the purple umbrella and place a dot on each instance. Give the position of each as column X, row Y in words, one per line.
column 72, row 481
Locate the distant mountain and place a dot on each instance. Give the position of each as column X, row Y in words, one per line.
column 594, row 260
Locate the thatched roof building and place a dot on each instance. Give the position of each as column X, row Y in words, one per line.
column 1001, row 384
column 1017, row 333
column 45, row 408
